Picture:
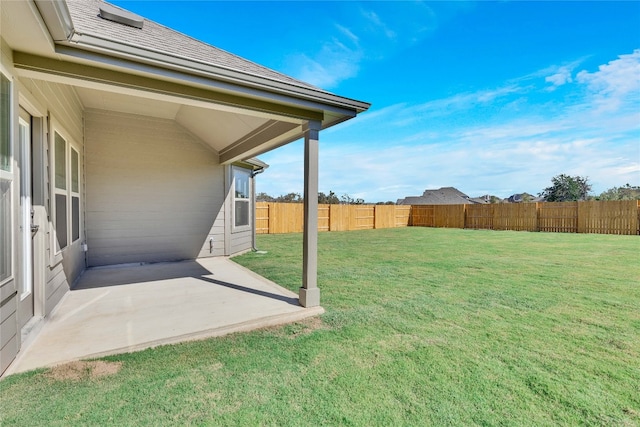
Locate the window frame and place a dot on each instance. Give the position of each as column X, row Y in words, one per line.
column 7, row 175
column 68, row 192
column 235, row 172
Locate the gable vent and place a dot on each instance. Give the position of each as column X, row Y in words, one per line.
column 120, row 16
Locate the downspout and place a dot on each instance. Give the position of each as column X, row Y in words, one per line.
column 253, row 202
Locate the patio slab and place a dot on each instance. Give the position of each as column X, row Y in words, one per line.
column 127, row 308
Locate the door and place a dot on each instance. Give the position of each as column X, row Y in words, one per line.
column 25, row 283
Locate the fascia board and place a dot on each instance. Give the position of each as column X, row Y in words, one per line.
column 176, row 75
column 134, row 53
column 110, row 77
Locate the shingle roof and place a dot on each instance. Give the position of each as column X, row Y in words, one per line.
column 441, row 196
column 158, row 38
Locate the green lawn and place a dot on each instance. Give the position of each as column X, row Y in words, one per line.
column 423, row 327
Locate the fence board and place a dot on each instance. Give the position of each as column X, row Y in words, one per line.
column 422, row 216
column 339, row 218
column 479, row 216
column 515, row 216
column 323, row 217
column 449, row 216
column 262, row 218
column 403, row 215
column 364, row 216
column 385, row 216
column 610, row 217
column 558, row 217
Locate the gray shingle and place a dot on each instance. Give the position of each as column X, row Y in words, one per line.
column 441, row 196
column 158, row 38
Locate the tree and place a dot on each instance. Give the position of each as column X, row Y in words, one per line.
column 264, row 197
column 328, row 199
column 348, row 200
column 626, row 192
column 567, row 188
column 290, row 198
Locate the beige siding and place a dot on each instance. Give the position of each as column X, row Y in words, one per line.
column 65, row 109
column 240, row 242
column 153, row 191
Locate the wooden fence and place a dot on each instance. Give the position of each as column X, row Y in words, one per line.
column 606, row 217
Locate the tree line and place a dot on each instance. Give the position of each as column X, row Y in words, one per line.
column 330, row 198
column 563, row 188
column 567, row 188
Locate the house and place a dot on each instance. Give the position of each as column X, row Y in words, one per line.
column 523, row 198
column 123, row 141
column 441, row 196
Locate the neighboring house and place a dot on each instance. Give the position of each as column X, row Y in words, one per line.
column 123, row 141
column 523, row 198
column 441, row 196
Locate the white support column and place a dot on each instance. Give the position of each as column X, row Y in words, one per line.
column 309, row 292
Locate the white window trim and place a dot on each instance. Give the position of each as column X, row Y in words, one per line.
column 9, row 175
column 56, row 127
column 234, row 227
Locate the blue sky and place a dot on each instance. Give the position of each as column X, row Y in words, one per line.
column 489, row 97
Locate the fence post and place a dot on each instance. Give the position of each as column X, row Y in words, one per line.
column 464, row 216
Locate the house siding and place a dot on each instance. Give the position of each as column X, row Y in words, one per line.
column 65, row 109
column 154, row 192
column 240, row 242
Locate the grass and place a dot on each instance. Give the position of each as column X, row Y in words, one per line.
column 423, row 327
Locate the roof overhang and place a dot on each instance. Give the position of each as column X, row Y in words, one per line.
column 91, row 62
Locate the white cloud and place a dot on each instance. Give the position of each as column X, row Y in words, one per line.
column 615, row 83
column 560, row 77
column 400, row 150
column 375, row 32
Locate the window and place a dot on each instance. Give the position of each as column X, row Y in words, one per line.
column 66, row 188
column 242, row 195
column 6, row 178
column 60, row 189
column 75, row 195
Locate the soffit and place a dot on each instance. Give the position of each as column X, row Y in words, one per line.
column 22, row 29
column 219, row 129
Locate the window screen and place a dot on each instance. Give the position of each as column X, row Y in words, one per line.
column 5, row 129
column 61, row 220
column 75, row 172
column 61, row 162
column 5, row 229
column 242, row 194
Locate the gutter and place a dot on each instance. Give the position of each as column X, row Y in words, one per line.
column 81, row 46
column 57, row 18
column 255, row 172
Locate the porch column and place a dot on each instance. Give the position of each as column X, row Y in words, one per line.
column 309, row 292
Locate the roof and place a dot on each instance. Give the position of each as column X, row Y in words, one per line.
column 441, row 196
column 77, row 27
column 156, row 37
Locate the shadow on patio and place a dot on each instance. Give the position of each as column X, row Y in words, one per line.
column 126, row 308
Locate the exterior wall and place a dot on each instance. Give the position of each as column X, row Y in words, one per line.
column 65, row 113
column 154, row 192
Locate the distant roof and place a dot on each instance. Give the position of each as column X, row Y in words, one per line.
column 155, row 37
column 441, row 196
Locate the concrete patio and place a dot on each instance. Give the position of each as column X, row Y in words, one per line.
column 126, row 308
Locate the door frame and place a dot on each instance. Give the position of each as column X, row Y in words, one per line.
column 26, row 308
column 38, row 198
